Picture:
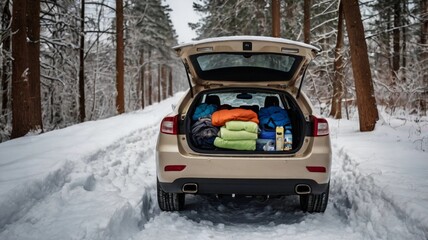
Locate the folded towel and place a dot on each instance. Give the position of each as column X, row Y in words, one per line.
column 251, row 127
column 236, row 145
column 227, row 134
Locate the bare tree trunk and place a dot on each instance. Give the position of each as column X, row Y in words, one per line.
column 387, row 40
column 424, row 31
column 307, row 21
column 33, row 36
column 424, row 54
column 276, row 29
column 5, row 20
column 170, row 86
column 149, row 78
column 367, row 109
column 138, row 83
column 120, row 68
column 159, row 82
column 336, row 103
column 143, row 72
column 396, row 37
column 404, row 43
column 82, row 111
column 21, row 106
column 164, row 81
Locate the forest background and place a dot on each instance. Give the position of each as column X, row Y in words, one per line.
column 76, row 46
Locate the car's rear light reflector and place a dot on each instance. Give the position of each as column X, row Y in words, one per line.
column 169, row 125
column 316, row 169
column 174, row 168
column 320, row 127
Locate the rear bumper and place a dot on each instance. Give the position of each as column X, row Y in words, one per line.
column 250, row 174
column 244, row 186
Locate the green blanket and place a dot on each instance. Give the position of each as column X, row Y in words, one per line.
column 236, row 145
column 227, row 134
column 242, row 125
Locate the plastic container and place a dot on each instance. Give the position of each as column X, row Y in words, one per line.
column 279, row 138
column 288, row 140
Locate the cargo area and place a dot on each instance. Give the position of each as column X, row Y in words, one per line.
column 239, row 120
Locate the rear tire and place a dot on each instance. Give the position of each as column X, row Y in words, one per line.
column 314, row 203
column 170, row 201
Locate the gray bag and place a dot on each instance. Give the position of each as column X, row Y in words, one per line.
column 204, row 133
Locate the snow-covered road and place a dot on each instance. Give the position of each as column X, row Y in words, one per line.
column 97, row 181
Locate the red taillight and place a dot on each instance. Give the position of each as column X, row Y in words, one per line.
column 320, row 127
column 316, row 169
column 174, row 168
column 169, row 125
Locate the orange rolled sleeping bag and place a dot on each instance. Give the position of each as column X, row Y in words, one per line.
column 219, row 118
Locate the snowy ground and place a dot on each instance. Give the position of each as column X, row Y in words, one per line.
column 96, row 180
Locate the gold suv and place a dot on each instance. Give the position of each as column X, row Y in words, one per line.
column 244, row 127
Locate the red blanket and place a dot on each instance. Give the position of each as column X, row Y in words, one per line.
column 219, row 118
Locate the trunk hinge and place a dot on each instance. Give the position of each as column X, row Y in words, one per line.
column 301, row 82
column 186, row 67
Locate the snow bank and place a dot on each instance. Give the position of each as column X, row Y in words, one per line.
column 381, row 176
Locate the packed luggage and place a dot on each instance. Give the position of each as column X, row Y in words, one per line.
column 270, row 118
column 238, row 129
column 219, row 118
column 204, row 110
column 275, row 129
column 242, row 129
column 204, row 133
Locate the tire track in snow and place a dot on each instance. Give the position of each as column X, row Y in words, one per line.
column 205, row 217
column 121, row 172
column 22, row 199
column 366, row 206
column 128, row 167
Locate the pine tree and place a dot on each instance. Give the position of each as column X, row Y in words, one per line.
column 367, row 109
column 21, row 105
column 26, row 109
column 336, row 103
column 229, row 18
column 120, row 68
column 33, row 42
column 276, row 29
column 82, row 102
column 307, row 21
column 152, row 34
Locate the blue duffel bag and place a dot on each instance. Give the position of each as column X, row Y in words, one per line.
column 271, row 117
column 204, row 110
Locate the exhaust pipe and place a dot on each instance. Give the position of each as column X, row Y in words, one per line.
column 190, row 188
column 302, row 189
